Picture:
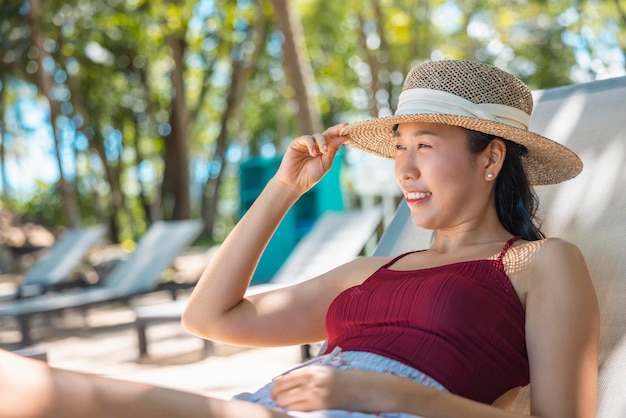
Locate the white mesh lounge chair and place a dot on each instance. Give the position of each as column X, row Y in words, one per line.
column 54, row 268
column 139, row 274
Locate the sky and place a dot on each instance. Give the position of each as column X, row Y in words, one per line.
column 34, row 141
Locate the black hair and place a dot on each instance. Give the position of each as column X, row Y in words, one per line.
column 516, row 200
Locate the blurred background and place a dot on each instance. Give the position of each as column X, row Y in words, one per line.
column 124, row 112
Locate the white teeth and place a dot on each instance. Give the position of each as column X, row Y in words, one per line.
column 414, row 196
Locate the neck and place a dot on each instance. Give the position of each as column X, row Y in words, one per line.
column 483, row 230
column 444, row 242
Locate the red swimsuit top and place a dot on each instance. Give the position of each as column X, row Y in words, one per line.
column 461, row 323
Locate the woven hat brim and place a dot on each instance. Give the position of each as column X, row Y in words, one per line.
column 547, row 161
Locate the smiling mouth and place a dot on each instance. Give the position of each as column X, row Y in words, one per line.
column 415, row 196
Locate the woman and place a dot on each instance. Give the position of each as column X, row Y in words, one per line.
column 450, row 331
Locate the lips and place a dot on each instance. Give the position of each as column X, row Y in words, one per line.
column 414, row 197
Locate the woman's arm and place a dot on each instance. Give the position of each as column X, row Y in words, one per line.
column 217, row 308
column 562, row 333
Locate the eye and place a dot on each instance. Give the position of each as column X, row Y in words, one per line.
column 422, row 145
column 400, row 147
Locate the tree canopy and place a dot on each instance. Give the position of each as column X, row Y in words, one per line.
column 146, row 107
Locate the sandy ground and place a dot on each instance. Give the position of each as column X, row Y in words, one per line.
column 103, row 341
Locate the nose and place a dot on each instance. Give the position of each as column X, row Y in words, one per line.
column 406, row 167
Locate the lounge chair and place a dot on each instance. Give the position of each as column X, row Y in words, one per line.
column 53, row 269
column 589, row 210
column 139, row 274
column 336, row 238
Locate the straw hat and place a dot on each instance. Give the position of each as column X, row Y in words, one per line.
column 475, row 96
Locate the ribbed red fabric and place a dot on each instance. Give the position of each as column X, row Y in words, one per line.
column 462, row 324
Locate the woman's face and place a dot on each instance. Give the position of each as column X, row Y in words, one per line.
column 443, row 182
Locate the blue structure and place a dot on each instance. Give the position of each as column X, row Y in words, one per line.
column 325, row 195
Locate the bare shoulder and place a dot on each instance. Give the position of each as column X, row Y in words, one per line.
column 541, row 254
column 560, row 282
column 356, row 271
column 327, row 286
column 546, row 248
column 546, row 266
column 371, row 262
column 559, row 247
column 558, row 258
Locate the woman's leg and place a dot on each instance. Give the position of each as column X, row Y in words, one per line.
column 30, row 388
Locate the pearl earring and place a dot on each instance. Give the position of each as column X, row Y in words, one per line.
column 489, row 176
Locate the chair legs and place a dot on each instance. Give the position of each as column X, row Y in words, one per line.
column 24, row 324
column 207, row 348
column 141, row 325
column 305, row 352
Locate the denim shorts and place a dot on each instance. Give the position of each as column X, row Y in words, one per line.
column 347, row 360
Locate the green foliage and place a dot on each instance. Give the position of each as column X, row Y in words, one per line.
column 43, row 207
column 111, row 62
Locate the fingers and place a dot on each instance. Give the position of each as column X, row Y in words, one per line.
column 335, row 130
column 304, row 390
column 319, row 144
column 287, row 391
column 287, row 383
column 322, row 143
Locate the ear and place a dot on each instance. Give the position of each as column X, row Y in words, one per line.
column 493, row 158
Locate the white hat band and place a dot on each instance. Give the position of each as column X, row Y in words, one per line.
column 428, row 101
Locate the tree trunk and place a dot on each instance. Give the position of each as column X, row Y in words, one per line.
column 372, row 62
column 148, row 205
column 298, row 68
column 176, row 173
column 96, row 145
column 384, row 54
column 423, row 44
column 151, row 204
column 44, row 83
column 241, row 69
column 3, row 167
column 211, row 189
column 377, row 60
